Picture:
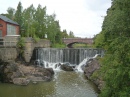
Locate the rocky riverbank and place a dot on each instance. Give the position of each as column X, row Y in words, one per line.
column 21, row 74
column 91, row 72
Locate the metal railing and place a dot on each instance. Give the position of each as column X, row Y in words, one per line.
column 8, row 43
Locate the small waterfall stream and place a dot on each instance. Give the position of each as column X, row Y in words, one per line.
column 53, row 58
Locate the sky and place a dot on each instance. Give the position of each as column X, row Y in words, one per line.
column 83, row 17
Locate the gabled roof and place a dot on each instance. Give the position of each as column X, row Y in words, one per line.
column 4, row 18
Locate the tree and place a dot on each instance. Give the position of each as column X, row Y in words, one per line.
column 58, row 36
column 71, row 34
column 64, row 34
column 18, row 15
column 40, row 18
column 28, row 21
column 99, row 40
column 36, row 23
column 53, row 28
column 11, row 13
column 115, row 39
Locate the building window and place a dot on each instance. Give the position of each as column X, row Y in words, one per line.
column 11, row 30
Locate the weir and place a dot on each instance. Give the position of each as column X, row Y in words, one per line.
column 71, row 56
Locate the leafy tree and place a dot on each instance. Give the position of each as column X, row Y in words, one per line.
column 37, row 24
column 71, row 34
column 99, row 40
column 116, row 69
column 11, row 13
column 114, row 37
column 29, row 22
column 53, row 28
column 40, row 18
column 64, row 34
column 18, row 15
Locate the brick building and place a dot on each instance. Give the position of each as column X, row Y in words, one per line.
column 8, row 27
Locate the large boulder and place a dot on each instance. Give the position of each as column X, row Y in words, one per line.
column 91, row 67
column 7, row 71
column 45, row 73
column 21, row 75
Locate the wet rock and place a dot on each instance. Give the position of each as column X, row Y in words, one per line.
column 67, row 67
column 50, row 70
column 58, row 65
column 91, row 67
column 21, row 75
column 21, row 81
column 37, row 73
column 6, row 71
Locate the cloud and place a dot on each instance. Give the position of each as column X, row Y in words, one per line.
column 83, row 17
column 97, row 5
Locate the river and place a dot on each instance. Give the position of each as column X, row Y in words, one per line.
column 64, row 84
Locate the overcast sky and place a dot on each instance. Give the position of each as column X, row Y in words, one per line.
column 83, row 17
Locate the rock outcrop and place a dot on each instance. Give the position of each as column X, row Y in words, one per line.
column 21, row 75
column 90, row 68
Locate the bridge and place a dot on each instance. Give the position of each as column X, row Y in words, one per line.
column 70, row 41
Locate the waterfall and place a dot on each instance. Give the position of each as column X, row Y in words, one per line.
column 53, row 57
column 79, row 67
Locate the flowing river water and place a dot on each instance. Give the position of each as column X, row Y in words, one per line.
column 64, row 84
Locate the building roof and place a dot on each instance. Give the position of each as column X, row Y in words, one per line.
column 4, row 18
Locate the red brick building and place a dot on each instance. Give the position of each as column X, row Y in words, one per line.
column 8, row 27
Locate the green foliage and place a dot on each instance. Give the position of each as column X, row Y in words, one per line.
column 57, row 45
column 36, row 39
column 115, row 69
column 79, row 45
column 99, row 40
column 64, row 34
column 114, row 38
column 37, row 23
column 18, row 15
column 71, row 34
column 11, row 13
column 21, row 45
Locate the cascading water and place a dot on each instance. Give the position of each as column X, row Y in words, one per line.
column 79, row 67
column 53, row 58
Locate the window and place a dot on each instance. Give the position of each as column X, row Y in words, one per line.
column 11, row 30
column 0, row 33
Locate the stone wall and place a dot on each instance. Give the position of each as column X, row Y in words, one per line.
column 9, row 41
column 8, row 49
column 8, row 54
column 30, row 44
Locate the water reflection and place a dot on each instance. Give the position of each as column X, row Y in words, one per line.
column 64, row 84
